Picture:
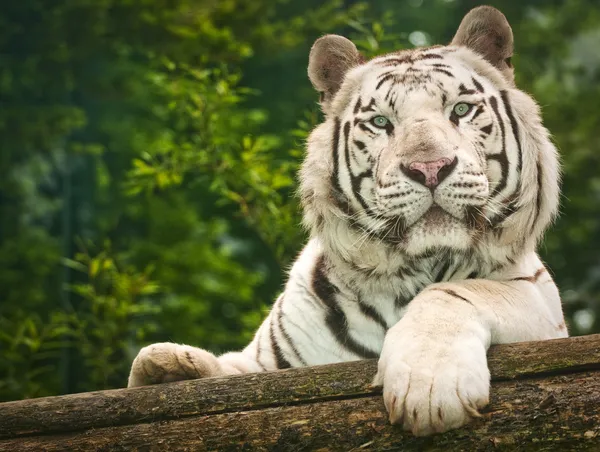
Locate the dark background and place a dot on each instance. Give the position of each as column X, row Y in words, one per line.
column 148, row 158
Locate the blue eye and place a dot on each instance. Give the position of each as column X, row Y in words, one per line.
column 380, row 121
column 462, row 108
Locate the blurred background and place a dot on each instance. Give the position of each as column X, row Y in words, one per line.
column 148, row 157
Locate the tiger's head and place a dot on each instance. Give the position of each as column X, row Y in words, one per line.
column 428, row 148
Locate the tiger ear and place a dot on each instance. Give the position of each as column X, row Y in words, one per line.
column 330, row 58
column 486, row 31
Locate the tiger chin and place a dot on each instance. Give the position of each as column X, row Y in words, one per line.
column 425, row 190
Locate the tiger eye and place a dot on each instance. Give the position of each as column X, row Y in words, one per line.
column 462, row 108
column 380, row 121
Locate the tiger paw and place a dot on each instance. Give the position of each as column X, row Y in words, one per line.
column 431, row 387
column 166, row 362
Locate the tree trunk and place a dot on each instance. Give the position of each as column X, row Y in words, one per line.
column 545, row 396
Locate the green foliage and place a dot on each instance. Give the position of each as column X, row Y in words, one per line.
column 115, row 309
column 31, row 345
column 166, row 137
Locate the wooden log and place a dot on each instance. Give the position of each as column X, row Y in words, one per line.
column 552, row 413
column 545, row 396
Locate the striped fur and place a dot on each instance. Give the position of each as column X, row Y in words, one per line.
column 425, row 279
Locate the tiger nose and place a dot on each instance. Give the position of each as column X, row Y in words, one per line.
column 430, row 174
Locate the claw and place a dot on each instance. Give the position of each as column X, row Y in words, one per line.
column 473, row 412
column 395, row 416
column 378, row 380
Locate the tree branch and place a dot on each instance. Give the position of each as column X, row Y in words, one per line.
column 545, row 396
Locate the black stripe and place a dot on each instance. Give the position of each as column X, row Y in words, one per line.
column 532, row 279
column 464, row 91
column 514, row 125
column 357, row 106
column 443, row 269
column 538, row 196
column 389, row 92
column 285, row 334
column 509, row 209
column 372, row 313
column 258, row 350
column 454, row 119
column 455, row 295
column 335, row 318
column 356, row 180
column 391, row 102
column 369, row 107
column 511, row 200
column 429, row 56
column 478, row 85
column 356, row 186
column 443, row 71
column 366, row 128
column 280, row 360
column 400, row 302
column 487, row 129
column 408, row 272
column 500, row 158
column 335, row 182
column 396, row 61
column 339, row 198
column 389, row 129
column 477, row 112
column 383, row 80
column 385, row 74
column 359, row 144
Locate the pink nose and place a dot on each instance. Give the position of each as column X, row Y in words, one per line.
column 430, row 174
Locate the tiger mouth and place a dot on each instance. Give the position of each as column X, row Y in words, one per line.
column 473, row 218
column 396, row 229
column 436, row 214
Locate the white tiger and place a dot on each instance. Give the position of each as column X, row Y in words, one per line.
column 426, row 190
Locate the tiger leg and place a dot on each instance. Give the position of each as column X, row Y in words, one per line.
column 271, row 349
column 166, row 362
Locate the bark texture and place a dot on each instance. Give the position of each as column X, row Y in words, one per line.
column 545, row 396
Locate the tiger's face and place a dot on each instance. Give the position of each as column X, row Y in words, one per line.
column 422, row 150
column 427, row 149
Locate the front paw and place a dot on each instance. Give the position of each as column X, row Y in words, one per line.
column 166, row 362
column 431, row 386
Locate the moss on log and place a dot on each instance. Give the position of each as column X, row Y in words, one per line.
column 545, row 396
